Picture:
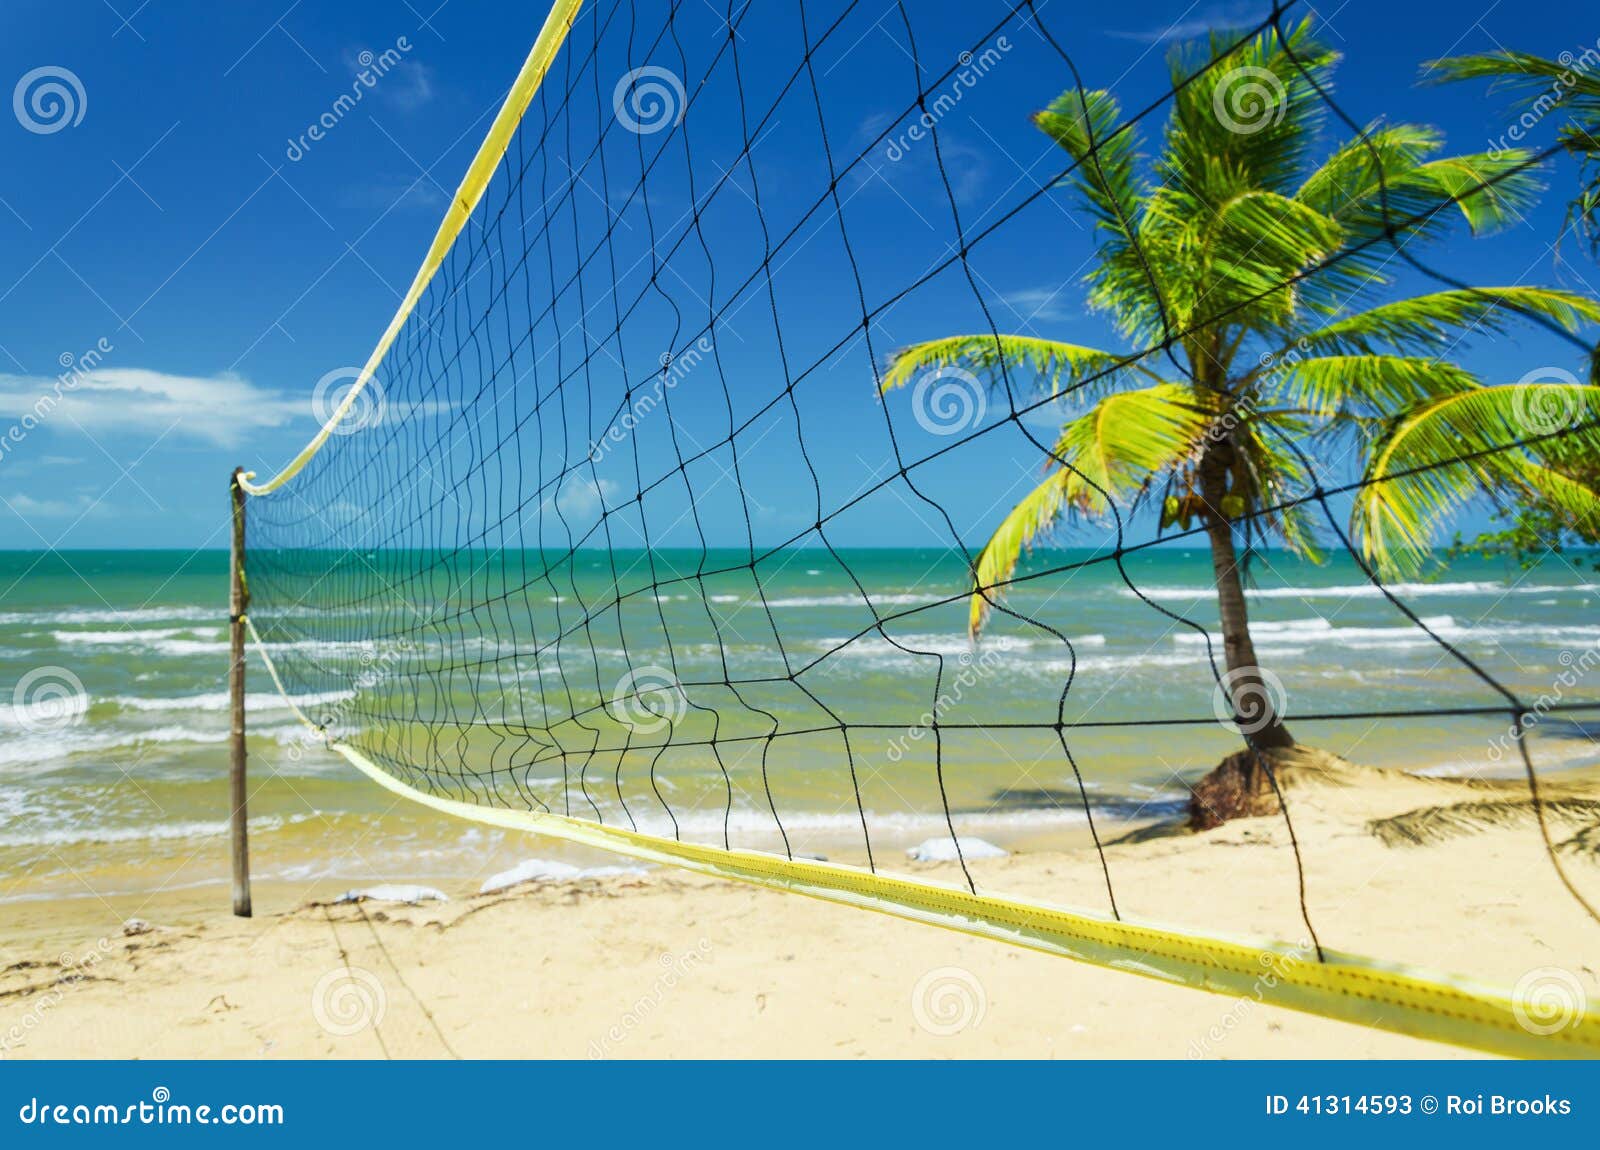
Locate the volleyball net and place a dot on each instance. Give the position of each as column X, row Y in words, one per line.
column 587, row 546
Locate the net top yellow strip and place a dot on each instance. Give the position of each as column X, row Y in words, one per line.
column 551, row 37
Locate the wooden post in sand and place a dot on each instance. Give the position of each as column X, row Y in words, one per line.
column 238, row 604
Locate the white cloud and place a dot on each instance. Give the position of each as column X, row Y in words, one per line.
column 1228, row 17
column 1048, row 304
column 219, row 409
column 406, row 83
column 29, row 507
column 580, row 497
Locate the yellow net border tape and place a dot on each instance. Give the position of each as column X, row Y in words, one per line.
column 551, row 37
column 1351, row 988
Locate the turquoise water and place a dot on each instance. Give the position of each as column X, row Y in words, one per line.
column 113, row 704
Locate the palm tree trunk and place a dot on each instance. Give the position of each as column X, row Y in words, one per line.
column 1253, row 701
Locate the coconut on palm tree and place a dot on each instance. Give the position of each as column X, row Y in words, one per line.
column 1257, row 272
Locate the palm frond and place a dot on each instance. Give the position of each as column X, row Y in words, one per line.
column 1440, row 454
column 1542, row 83
column 1112, row 450
column 1545, row 86
column 1427, row 319
column 1253, row 109
column 1125, row 439
column 1034, row 515
column 1089, row 127
column 1366, row 384
column 1350, row 174
column 1051, row 364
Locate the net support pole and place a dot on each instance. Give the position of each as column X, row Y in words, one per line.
column 238, row 604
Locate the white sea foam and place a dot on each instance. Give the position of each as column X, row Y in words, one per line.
column 1298, row 632
column 124, row 616
column 951, row 646
column 141, row 638
column 67, row 709
column 900, row 600
column 80, row 833
column 46, row 747
column 220, row 701
column 1367, row 590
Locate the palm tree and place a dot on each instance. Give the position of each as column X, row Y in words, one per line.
column 1245, row 258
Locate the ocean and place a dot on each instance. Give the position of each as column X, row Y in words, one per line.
column 114, row 707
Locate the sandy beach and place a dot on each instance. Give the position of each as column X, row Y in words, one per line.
column 661, row 963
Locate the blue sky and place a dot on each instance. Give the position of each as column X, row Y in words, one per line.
column 224, row 271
